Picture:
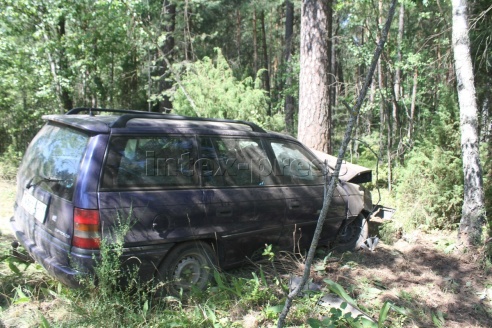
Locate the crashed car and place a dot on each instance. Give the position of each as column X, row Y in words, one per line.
column 197, row 193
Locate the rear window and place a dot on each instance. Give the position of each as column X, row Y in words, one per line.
column 149, row 162
column 53, row 158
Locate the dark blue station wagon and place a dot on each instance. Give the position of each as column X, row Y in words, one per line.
column 198, row 193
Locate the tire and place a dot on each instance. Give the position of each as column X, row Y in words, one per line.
column 351, row 237
column 187, row 267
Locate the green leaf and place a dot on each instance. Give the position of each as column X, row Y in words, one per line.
column 44, row 322
column 145, row 307
column 366, row 323
column 275, row 308
column 337, row 289
column 383, row 313
column 22, row 300
column 314, row 323
column 13, row 267
column 438, row 318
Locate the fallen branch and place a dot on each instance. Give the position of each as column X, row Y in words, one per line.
column 330, row 187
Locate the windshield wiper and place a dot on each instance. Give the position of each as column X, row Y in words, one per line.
column 30, row 183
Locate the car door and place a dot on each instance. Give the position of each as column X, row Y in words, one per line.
column 302, row 183
column 150, row 180
column 242, row 200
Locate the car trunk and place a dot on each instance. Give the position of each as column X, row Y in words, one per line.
column 45, row 187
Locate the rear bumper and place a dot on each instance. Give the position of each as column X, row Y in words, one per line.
column 145, row 259
column 63, row 273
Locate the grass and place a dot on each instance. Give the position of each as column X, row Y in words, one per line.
column 7, row 196
column 251, row 296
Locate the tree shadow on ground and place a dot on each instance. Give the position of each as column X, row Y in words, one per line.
column 418, row 276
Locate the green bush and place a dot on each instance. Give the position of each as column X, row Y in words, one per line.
column 215, row 92
column 429, row 188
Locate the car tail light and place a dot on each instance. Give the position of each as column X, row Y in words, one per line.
column 86, row 230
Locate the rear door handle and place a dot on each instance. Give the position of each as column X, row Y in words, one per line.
column 224, row 211
column 294, row 204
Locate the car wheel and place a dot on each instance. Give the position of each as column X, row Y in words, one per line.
column 188, row 266
column 351, row 237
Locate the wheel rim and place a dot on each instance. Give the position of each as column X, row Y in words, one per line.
column 350, row 233
column 190, row 271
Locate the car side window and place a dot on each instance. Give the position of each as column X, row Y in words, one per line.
column 240, row 161
column 141, row 162
column 295, row 165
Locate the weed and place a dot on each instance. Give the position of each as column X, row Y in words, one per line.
column 113, row 294
column 446, row 245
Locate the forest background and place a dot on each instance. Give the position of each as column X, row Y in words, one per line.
column 239, row 59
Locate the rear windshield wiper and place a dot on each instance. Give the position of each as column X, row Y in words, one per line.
column 31, row 182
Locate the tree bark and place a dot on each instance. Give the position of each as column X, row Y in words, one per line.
column 255, row 44
column 188, row 44
column 65, row 95
column 289, row 100
column 238, row 36
column 473, row 211
column 313, row 127
column 330, row 71
column 168, row 23
column 330, row 187
column 266, row 73
column 413, row 104
column 397, row 84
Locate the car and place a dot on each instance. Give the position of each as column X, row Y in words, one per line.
column 197, row 193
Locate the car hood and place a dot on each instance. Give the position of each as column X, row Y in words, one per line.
column 348, row 172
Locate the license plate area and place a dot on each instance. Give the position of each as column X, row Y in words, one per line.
column 34, row 206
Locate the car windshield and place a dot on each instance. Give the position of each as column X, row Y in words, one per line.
column 52, row 160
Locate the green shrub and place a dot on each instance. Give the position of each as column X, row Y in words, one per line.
column 217, row 93
column 429, row 188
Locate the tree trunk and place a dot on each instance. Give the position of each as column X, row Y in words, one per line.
column 397, row 84
column 289, row 100
column 313, row 128
column 473, row 212
column 330, row 70
column 413, row 104
column 255, row 44
column 266, row 73
column 187, row 32
column 238, row 36
column 65, row 95
column 330, row 187
column 382, row 112
column 168, row 23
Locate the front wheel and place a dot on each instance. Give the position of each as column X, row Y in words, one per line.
column 188, row 266
column 352, row 236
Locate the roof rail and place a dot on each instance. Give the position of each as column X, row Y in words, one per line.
column 123, row 120
column 128, row 115
column 78, row 110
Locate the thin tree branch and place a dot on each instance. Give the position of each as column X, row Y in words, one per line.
column 163, row 55
column 354, row 113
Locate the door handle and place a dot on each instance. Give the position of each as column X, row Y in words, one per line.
column 294, row 204
column 224, row 211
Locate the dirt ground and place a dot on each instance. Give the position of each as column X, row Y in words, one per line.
column 425, row 274
column 421, row 272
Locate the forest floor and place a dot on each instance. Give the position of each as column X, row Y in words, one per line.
column 421, row 272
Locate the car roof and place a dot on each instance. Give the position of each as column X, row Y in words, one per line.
column 128, row 121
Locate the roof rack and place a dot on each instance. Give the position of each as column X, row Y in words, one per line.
column 128, row 115
column 91, row 111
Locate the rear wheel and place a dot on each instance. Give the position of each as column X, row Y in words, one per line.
column 352, row 236
column 188, row 266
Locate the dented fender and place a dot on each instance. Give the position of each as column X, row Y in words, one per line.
column 357, row 197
